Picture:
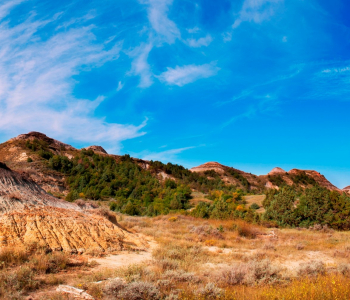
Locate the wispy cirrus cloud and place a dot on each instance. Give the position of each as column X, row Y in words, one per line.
column 331, row 81
column 140, row 65
column 165, row 28
column 181, row 76
column 36, row 84
column 7, row 6
column 196, row 43
column 265, row 105
column 256, row 11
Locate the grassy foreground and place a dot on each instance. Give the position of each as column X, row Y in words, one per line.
column 193, row 259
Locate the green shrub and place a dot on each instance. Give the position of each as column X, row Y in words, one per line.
column 255, row 206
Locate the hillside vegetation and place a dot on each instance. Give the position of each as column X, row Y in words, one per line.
column 136, row 191
column 136, row 187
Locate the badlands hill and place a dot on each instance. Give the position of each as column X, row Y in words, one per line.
column 15, row 153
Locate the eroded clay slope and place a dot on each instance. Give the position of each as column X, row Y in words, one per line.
column 29, row 215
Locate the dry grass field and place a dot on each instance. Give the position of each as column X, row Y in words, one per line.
column 192, row 258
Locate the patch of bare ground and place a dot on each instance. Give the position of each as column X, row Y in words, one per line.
column 127, row 258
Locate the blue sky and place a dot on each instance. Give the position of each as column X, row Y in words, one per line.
column 251, row 84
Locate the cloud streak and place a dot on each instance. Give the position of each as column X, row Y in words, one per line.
column 163, row 156
column 158, row 17
column 140, row 66
column 204, row 41
column 256, row 11
column 181, row 76
column 36, row 84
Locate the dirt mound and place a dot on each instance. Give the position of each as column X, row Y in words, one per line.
column 276, row 171
column 29, row 215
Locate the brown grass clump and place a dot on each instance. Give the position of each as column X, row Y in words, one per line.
column 312, row 268
column 137, row 290
column 12, row 256
column 13, row 284
column 50, row 263
column 299, row 246
column 251, row 273
column 95, row 252
column 319, row 227
column 114, row 286
column 269, row 246
column 344, row 269
column 247, row 230
column 182, row 255
column 210, row 291
column 180, row 276
column 203, row 231
column 29, row 268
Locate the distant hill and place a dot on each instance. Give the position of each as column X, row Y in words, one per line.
column 276, row 178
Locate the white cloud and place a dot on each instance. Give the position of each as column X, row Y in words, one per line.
column 187, row 74
column 36, row 85
column 204, row 41
column 140, row 65
column 285, row 39
column 256, row 11
column 120, row 86
column 158, row 18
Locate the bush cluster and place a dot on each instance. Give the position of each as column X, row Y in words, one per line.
column 316, row 206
